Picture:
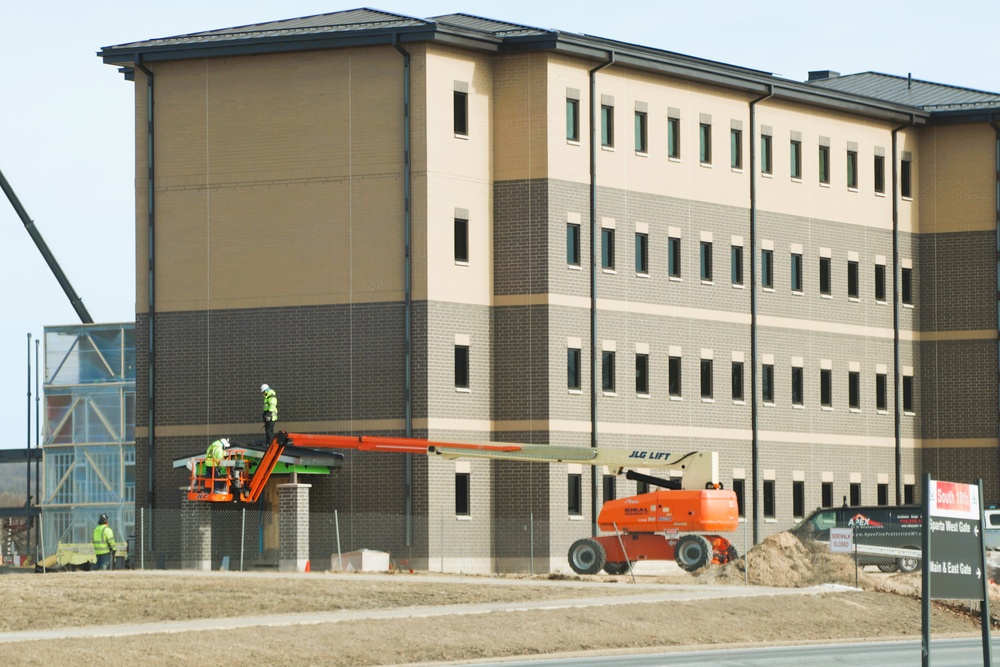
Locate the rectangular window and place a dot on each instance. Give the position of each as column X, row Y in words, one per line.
column 609, row 488
column 797, row 394
column 881, row 392
column 462, row 366
column 767, row 269
column 905, row 178
column 824, row 276
column 706, row 261
column 642, row 253
column 767, row 383
column 880, row 174
column 461, row 113
column 908, row 393
column 826, row 494
column 854, row 390
column 738, row 489
column 798, row 499
column 855, row 494
column 705, row 143
column 572, row 368
column 826, row 387
column 852, row 170
column 852, row 280
column 824, row 165
column 640, row 132
column 737, row 380
column 795, row 163
column 572, row 119
column 883, row 494
column 574, row 504
column 908, row 494
column 674, row 138
column 608, row 371
column 462, row 496
column 880, row 282
column 736, row 264
column 642, row 374
column 607, row 248
column 768, row 499
column 607, row 125
column 641, row 487
column 573, row 244
column 461, row 240
column 674, row 257
column 906, row 285
column 706, row 378
column 796, row 272
column 736, row 148
column 766, row 157
column 674, row 379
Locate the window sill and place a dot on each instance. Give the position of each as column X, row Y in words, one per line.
column 880, row 194
column 575, row 392
column 766, row 174
column 854, row 299
column 641, row 154
column 676, row 398
column 707, row 282
column 850, row 189
column 767, row 289
column 826, row 408
column 463, row 390
column 610, row 149
column 879, row 303
column 675, row 279
column 768, row 404
column 908, row 305
column 609, row 271
column 907, row 198
column 881, row 412
column 643, row 396
column 798, row 406
column 572, row 142
column 707, row 400
column 770, row 520
column 737, row 170
column 575, row 517
column 609, row 394
column 738, row 402
column 706, row 165
column 796, row 179
column 463, row 517
column 739, row 286
column 909, row 414
column 797, row 293
column 674, row 159
column 826, row 296
column 824, row 185
column 459, row 262
column 642, row 275
column 463, row 137
column 574, row 267
column 856, row 410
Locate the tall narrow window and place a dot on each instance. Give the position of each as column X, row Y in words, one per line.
column 573, row 244
column 736, row 264
column 880, row 174
column 607, row 248
column 461, row 100
column 607, row 125
column 461, row 240
column 854, row 390
column 909, row 493
column 674, row 138
column 641, row 487
column 906, row 285
column 461, row 366
column 824, row 165
column 767, row 268
column 706, row 261
column 768, row 500
column 796, row 272
column 906, row 178
column 883, row 494
column 852, row 170
column 705, row 143
column 826, row 494
column 572, row 119
column 642, row 374
column 767, row 383
column 674, row 257
column 852, row 280
column 574, row 503
column 609, row 488
column 826, row 387
column 640, row 132
column 797, row 393
column 908, row 393
column 642, row 253
column 880, row 282
column 736, row 148
column 795, row 159
column 881, row 392
column 737, row 380
column 766, row 155
column 608, row 371
column 855, row 494
column 573, row 368
column 738, row 488
column 824, row 276
column 462, row 495
column 798, row 499
column 706, row 378
column 674, row 373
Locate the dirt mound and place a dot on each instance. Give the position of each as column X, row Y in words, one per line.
column 785, row 560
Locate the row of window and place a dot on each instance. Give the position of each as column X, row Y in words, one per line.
column 736, row 264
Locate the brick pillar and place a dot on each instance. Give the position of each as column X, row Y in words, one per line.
column 293, row 527
column 196, row 533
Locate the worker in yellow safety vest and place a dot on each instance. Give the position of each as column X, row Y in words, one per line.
column 213, row 460
column 270, row 413
column 104, row 544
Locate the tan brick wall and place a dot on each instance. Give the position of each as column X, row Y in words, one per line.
column 957, row 178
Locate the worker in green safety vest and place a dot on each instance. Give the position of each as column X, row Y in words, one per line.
column 270, row 413
column 213, row 461
column 104, row 543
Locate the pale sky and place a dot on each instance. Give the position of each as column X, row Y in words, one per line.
column 67, row 122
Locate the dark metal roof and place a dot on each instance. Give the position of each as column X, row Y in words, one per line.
column 490, row 26
column 910, row 92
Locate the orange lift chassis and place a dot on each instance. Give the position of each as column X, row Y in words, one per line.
column 642, row 527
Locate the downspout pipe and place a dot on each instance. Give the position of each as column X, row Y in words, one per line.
column 897, row 425
column 594, row 472
column 754, row 408
column 408, row 284
column 996, row 277
column 151, row 283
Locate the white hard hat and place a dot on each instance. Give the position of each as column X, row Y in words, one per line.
column 264, row 388
column 225, row 442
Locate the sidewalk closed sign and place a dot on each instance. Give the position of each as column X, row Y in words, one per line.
column 841, row 540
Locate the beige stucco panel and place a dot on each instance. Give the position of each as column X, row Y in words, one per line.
column 957, row 178
column 522, row 117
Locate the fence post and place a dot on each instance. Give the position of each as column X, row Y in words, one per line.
column 442, row 541
column 746, row 559
column 243, row 535
column 142, row 538
column 618, row 534
column 531, row 542
column 336, row 526
column 41, row 540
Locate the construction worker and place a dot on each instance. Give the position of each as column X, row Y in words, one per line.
column 270, row 413
column 104, row 544
column 213, row 461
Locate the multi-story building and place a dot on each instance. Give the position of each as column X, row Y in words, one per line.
column 472, row 230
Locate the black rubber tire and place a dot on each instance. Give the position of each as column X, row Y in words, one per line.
column 888, row 567
column 908, row 564
column 616, row 568
column 586, row 556
column 732, row 554
column 692, row 552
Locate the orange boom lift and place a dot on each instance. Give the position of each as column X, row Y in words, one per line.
column 643, row 527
